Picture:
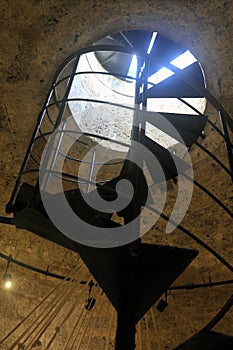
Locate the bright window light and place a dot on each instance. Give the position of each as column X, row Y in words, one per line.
column 133, row 67
column 154, row 35
column 184, row 60
column 161, row 75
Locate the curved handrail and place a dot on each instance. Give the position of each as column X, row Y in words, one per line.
column 125, row 50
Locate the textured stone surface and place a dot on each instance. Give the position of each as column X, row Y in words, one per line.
column 36, row 37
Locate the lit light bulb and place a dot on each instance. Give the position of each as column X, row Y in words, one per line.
column 8, row 284
column 7, row 280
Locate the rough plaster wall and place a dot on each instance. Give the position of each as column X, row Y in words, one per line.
column 36, row 37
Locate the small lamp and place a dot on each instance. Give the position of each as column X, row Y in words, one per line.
column 7, row 280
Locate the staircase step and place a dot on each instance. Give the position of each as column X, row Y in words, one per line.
column 175, row 87
column 142, row 279
column 208, row 340
column 187, row 127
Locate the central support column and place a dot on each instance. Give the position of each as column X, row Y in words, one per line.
column 126, row 324
column 126, row 316
column 125, row 335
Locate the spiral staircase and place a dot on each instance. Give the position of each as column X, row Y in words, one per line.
column 133, row 275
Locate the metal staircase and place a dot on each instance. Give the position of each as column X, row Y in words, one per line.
column 133, row 275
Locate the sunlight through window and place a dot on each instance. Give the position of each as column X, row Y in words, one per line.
column 154, row 35
column 132, row 72
column 182, row 61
